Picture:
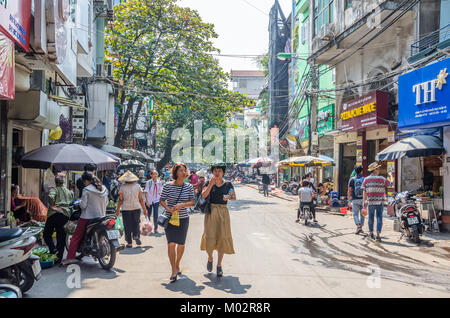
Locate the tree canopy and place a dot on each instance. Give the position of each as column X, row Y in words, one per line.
column 163, row 52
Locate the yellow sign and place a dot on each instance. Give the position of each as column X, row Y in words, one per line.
column 369, row 108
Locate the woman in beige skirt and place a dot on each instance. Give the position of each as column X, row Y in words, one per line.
column 217, row 232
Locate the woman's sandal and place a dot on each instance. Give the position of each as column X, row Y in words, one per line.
column 219, row 271
column 209, row 266
column 173, row 279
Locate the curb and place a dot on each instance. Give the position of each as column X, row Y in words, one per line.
column 274, row 195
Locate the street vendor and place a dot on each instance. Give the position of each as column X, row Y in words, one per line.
column 19, row 207
column 60, row 197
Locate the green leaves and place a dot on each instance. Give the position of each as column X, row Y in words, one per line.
column 162, row 51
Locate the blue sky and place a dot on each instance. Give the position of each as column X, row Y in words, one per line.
column 242, row 26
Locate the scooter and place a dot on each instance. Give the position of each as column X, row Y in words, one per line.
column 10, row 291
column 306, row 214
column 18, row 266
column 408, row 216
column 101, row 239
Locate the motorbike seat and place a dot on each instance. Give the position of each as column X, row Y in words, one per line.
column 93, row 221
column 9, row 234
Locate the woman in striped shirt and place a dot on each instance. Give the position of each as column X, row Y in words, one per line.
column 177, row 196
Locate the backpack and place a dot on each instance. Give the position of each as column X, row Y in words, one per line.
column 358, row 187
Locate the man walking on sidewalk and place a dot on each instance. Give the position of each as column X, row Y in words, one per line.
column 355, row 197
column 375, row 189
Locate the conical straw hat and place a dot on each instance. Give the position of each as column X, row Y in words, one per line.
column 128, row 177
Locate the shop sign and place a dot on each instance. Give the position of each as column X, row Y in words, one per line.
column 15, row 21
column 366, row 111
column 325, row 119
column 7, row 79
column 424, row 96
column 391, row 137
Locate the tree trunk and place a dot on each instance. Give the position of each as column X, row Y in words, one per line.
column 167, row 153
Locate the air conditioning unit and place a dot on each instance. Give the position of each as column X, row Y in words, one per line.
column 100, row 70
column 109, row 70
column 326, row 32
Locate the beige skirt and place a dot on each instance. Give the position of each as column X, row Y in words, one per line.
column 217, row 232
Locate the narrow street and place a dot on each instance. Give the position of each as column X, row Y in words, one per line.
column 275, row 257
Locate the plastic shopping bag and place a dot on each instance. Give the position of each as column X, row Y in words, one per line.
column 70, row 227
column 119, row 225
column 175, row 219
column 146, row 228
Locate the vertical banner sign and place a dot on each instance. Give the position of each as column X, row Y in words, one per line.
column 7, row 79
column 15, row 21
column 391, row 174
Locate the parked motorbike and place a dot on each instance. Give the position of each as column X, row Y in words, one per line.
column 408, row 215
column 10, row 291
column 18, row 266
column 293, row 188
column 101, row 239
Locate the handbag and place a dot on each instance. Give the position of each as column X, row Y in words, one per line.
column 163, row 219
column 204, row 204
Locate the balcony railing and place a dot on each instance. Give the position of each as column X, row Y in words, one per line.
column 431, row 40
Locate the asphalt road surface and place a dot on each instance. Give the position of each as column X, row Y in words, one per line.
column 275, row 257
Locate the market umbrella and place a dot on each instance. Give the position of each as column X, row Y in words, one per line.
column 260, row 162
column 117, row 159
column 326, row 158
column 416, row 146
column 311, row 161
column 67, row 157
column 138, row 154
column 116, row 151
column 130, row 164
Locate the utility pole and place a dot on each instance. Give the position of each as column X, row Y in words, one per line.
column 312, row 147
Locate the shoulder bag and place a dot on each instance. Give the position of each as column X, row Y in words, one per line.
column 163, row 219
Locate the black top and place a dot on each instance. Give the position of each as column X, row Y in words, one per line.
column 265, row 179
column 217, row 193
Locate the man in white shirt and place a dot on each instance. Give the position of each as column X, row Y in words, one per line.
column 153, row 189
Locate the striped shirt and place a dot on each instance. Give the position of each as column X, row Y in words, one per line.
column 375, row 187
column 170, row 193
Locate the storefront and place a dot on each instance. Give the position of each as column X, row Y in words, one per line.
column 424, row 97
column 364, row 132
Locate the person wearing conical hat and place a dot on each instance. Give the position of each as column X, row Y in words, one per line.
column 131, row 201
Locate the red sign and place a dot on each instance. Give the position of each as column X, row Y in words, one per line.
column 7, row 82
column 366, row 111
column 15, row 21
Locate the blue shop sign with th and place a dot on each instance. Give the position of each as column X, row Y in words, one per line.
column 424, row 97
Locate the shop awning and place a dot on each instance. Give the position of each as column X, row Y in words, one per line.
column 417, row 146
column 67, row 102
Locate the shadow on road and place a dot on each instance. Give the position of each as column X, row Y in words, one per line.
column 228, row 284
column 184, row 285
column 247, row 204
column 136, row 250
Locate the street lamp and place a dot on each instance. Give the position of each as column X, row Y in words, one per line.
column 283, row 56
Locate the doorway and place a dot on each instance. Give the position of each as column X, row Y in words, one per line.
column 347, row 153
